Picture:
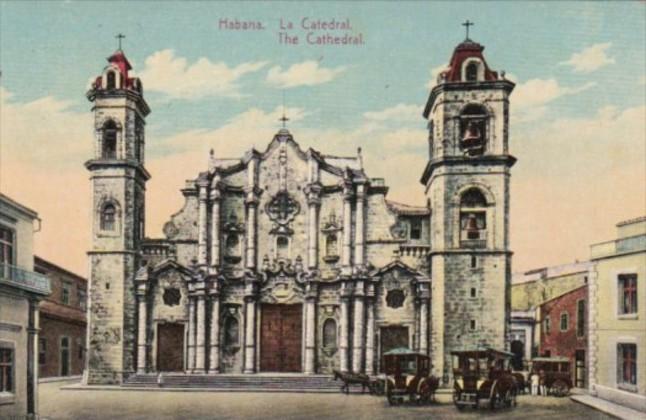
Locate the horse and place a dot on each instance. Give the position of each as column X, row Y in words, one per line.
column 350, row 378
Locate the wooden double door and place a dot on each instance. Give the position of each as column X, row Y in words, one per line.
column 281, row 338
column 170, row 347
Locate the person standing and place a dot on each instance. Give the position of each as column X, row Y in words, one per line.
column 541, row 382
column 533, row 378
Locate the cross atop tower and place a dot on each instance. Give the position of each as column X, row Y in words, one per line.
column 466, row 25
column 119, row 37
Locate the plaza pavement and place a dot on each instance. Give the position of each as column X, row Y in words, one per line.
column 57, row 403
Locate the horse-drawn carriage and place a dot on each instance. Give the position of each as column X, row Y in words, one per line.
column 555, row 373
column 482, row 375
column 408, row 374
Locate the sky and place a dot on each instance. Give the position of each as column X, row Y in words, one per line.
column 577, row 124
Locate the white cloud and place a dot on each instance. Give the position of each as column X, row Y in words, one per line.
column 176, row 77
column 529, row 100
column 435, row 71
column 307, row 73
column 590, row 59
column 397, row 113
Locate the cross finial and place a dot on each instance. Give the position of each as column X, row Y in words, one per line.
column 466, row 25
column 119, row 37
column 283, row 119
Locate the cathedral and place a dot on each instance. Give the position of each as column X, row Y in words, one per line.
column 292, row 260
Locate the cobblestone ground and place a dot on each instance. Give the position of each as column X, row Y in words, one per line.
column 81, row 404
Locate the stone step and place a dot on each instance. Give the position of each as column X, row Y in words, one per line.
column 240, row 382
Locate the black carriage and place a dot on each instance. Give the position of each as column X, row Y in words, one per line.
column 408, row 375
column 483, row 376
column 555, row 373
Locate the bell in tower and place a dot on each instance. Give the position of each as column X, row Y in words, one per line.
column 472, row 141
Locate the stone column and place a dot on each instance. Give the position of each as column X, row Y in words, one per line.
column 250, row 335
column 215, row 224
column 251, row 203
column 313, row 201
column 200, row 342
column 214, row 337
column 357, row 335
column 310, row 334
column 202, row 223
column 360, row 239
column 423, row 326
column 344, row 333
column 141, row 331
column 347, row 228
column 370, row 334
column 190, row 363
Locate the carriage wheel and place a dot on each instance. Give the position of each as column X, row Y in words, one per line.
column 560, row 388
column 424, row 393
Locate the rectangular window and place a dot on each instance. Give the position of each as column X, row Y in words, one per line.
column 416, row 229
column 580, row 318
column 564, row 321
column 473, row 292
column 82, row 295
column 547, row 325
column 627, row 364
column 627, row 287
column 6, row 251
column 474, row 261
column 6, row 369
column 472, row 324
column 42, row 351
column 65, row 298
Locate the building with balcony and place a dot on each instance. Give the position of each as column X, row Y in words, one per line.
column 21, row 290
column 617, row 296
column 61, row 342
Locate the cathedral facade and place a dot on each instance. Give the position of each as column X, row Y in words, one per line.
column 292, row 260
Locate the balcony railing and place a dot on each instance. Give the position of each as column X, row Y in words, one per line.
column 24, row 279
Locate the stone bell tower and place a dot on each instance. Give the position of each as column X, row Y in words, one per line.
column 118, row 186
column 467, row 184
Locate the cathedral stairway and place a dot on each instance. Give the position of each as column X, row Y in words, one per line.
column 242, row 383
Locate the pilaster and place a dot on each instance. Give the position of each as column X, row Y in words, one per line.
column 358, row 333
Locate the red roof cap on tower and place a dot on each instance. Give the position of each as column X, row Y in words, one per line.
column 467, row 49
column 118, row 58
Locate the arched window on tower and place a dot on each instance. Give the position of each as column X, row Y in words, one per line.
column 111, row 80
column 471, row 72
column 109, row 140
column 473, row 130
column 108, row 217
column 473, row 219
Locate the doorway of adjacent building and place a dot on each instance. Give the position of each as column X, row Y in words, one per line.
column 281, row 338
column 518, row 349
column 65, row 356
column 170, row 347
column 391, row 338
column 579, row 369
